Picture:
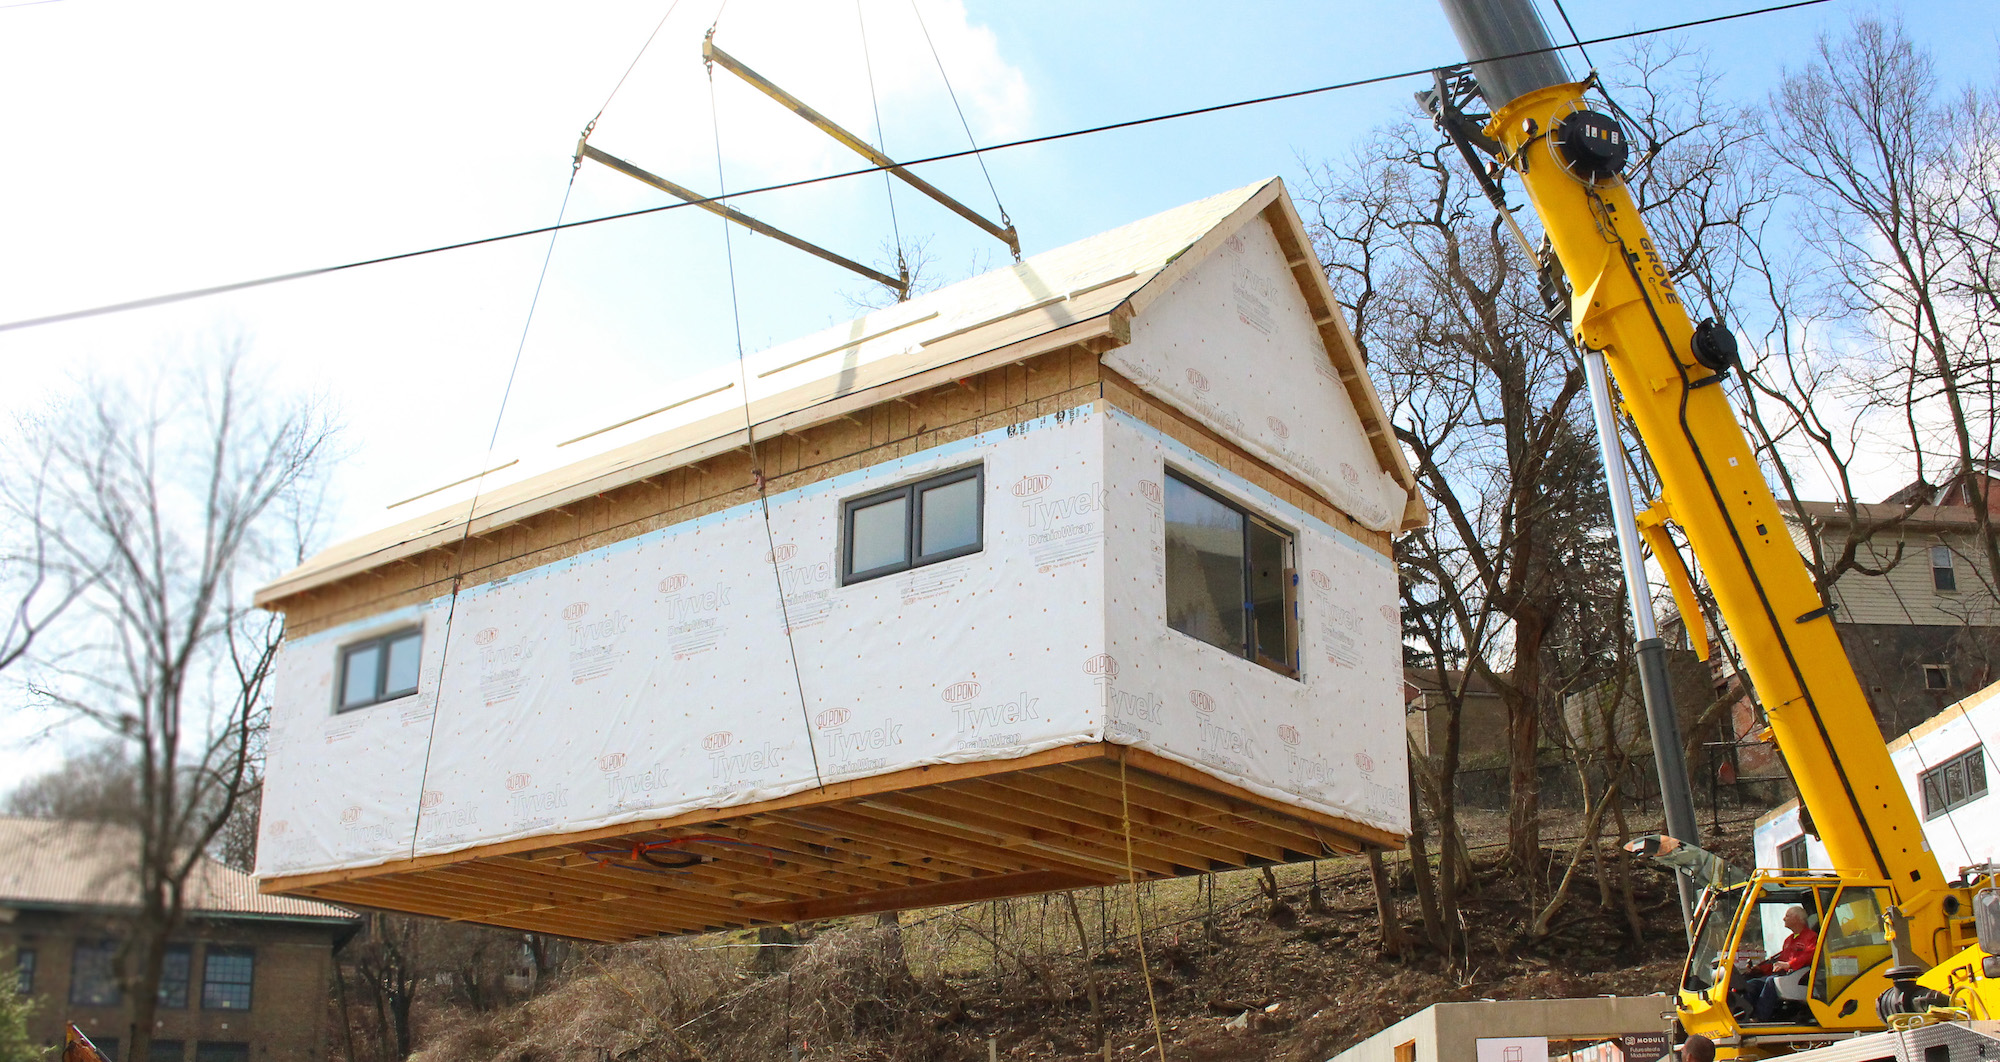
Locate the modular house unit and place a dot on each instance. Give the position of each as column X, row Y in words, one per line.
column 1068, row 574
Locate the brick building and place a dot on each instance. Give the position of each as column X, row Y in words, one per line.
column 247, row 979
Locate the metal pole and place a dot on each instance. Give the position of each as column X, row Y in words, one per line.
column 1486, row 28
column 1676, row 795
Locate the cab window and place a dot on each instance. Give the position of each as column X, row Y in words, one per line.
column 1853, row 941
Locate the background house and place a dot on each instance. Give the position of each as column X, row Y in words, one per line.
column 1921, row 618
column 248, row 979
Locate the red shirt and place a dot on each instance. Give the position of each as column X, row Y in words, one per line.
column 1797, row 952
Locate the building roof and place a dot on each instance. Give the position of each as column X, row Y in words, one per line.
column 58, row 863
column 1928, row 517
column 1086, row 291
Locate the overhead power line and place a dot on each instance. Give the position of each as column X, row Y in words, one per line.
column 280, row 278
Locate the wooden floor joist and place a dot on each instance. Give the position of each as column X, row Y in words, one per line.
column 919, row 838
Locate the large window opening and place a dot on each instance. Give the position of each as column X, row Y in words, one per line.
column 1229, row 577
column 1954, row 783
column 919, row 523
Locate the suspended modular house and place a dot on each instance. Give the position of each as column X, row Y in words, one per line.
column 1101, row 538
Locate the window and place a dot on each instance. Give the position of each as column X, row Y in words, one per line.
column 913, row 525
column 24, row 970
column 1406, row 1051
column 106, row 1046
column 380, row 669
column 174, row 974
column 1942, row 575
column 168, row 1051
column 1954, row 783
column 225, row 978
column 1937, row 676
column 1229, row 578
column 208, row 1051
column 93, row 975
column 1792, row 854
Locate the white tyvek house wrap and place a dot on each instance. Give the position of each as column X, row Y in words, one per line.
column 652, row 676
column 1233, row 345
column 1331, row 739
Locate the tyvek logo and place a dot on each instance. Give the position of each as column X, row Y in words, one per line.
column 431, row 798
column 1150, row 490
column 1202, row 702
column 350, row 815
column 1288, row 734
column 1197, row 381
column 717, row 741
column 1278, row 427
column 1234, row 244
column 1102, row 664
column 1390, row 615
column 1349, row 475
column 673, row 583
column 610, row 761
column 1365, row 762
column 960, row 692
column 1322, row 580
column 831, row 718
column 576, row 610
column 1031, row 485
column 783, row 552
column 486, row 636
column 518, row 781
column 281, row 828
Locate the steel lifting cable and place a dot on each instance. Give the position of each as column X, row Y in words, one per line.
column 882, row 145
column 1138, row 914
column 978, row 154
column 472, row 507
column 750, row 434
column 591, row 126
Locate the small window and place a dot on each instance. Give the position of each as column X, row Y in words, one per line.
column 93, row 975
column 1937, row 676
column 225, row 978
column 1943, row 577
column 210, row 1051
column 913, row 525
column 169, row 1051
column 1229, row 578
column 1792, row 854
column 175, row 970
column 380, row 669
column 1406, row 1051
column 106, row 1046
column 24, row 971
column 1954, row 783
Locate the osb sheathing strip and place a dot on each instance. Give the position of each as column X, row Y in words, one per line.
column 988, row 401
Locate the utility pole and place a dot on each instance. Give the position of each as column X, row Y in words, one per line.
column 1489, row 28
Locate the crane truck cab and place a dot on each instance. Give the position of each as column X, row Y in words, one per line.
column 1833, row 996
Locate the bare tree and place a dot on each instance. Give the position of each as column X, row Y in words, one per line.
column 1896, row 180
column 182, row 487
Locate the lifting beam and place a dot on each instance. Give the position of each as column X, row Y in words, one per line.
column 711, row 53
column 584, row 151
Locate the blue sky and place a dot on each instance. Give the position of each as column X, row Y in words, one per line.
column 157, row 147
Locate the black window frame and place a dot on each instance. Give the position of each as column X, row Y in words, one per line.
column 184, row 953
column 1792, row 854
column 912, row 494
column 380, row 642
column 1944, row 577
column 1931, row 784
column 209, row 955
column 108, row 949
column 1943, row 674
column 1290, row 581
column 24, row 971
